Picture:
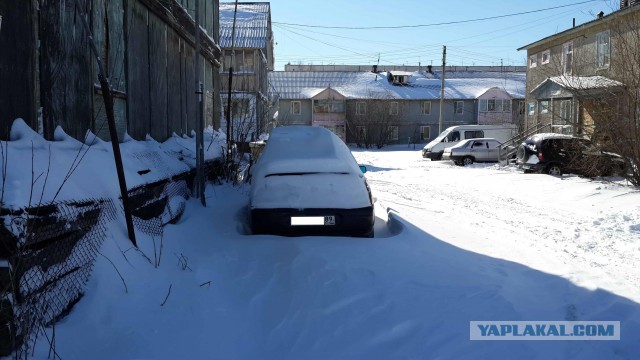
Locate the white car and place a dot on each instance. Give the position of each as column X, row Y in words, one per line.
column 466, row 152
column 307, row 182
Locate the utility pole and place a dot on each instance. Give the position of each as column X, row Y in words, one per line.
column 105, row 87
column 199, row 113
column 233, row 60
column 444, row 62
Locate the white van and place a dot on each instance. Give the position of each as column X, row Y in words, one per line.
column 455, row 134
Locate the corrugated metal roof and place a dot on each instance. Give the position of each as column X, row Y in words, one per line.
column 252, row 25
column 367, row 85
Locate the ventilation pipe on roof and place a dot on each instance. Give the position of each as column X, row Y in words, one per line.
column 600, row 14
column 574, row 22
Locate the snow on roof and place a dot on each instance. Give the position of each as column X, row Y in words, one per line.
column 368, row 85
column 543, row 136
column 252, row 24
column 584, row 82
column 304, row 149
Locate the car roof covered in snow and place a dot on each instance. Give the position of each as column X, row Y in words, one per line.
column 304, row 149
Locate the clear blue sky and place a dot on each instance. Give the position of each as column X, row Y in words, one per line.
column 485, row 42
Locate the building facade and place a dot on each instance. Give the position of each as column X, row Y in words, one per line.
column 395, row 107
column 250, row 53
column 582, row 74
column 147, row 48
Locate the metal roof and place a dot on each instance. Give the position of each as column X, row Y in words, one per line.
column 252, row 25
column 368, row 85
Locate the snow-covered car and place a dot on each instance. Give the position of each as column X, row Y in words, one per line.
column 466, row 152
column 307, row 182
column 555, row 154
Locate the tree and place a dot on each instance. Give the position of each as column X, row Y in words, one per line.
column 373, row 121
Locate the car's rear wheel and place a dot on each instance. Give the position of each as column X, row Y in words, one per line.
column 554, row 169
column 467, row 161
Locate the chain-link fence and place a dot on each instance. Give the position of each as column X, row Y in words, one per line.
column 51, row 250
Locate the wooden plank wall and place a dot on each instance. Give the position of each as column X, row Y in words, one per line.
column 66, row 88
column 17, row 95
column 174, row 83
column 158, row 78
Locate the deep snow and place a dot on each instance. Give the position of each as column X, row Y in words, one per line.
column 463, row 244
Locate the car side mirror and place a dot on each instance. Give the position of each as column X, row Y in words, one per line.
column 363, row 169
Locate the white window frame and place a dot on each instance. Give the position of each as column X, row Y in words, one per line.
column 392, row 132
column 544, row 106
column 456, row 107
column 531, row 108
column 533, row 61
column 422, row 137
column 506, row 105
column 567, row 58
column 393, row 108
column 293, row 108
column 545, row 54
column 603, row 49
column 425, row 105
column 361, row 108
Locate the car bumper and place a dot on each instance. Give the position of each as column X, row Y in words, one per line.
column 431, row 155
column 533, row 167
column 348, row 222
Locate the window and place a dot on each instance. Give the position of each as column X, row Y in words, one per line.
column 473, row 134
column 520, row 107
column 567, row 58
column 546, row 57
column 393, row 109
column 531, row 108
column 506, row 105
column 295, row 108
column 495, row 105
column 533, row 61
column 478, row 144
column 566, row 112
column 328, row 106
column 491, row 105
column 604, row 56
column 544, row 106
column 425, row 133
column 425, row 107
column 457, row 107
column 361, row 108
column 392, row 133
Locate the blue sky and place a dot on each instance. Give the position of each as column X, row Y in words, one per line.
column 487, row 42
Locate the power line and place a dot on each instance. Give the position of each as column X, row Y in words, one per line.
column 433, row 24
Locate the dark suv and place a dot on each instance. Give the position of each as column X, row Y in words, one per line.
column 556, row 154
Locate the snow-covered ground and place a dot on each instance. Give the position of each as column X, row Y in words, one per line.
column 461, row 244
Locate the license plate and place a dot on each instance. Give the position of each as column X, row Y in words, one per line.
column 313, row 220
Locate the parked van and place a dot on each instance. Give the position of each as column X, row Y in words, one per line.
column 455, row 134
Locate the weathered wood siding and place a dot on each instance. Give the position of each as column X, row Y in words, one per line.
column 147, row 49
column 17, row 62
column 174, row 82
column 64, row 68
column 108, row 32
column 158, row 78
